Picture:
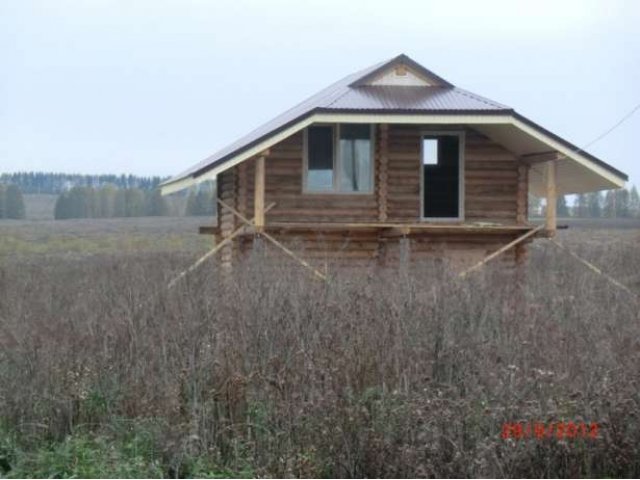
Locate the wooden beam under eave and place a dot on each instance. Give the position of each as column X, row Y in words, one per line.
column 551, row 223
column 259, row 194
column 541, row 157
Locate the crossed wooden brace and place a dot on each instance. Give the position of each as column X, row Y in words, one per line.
column 250, row 223
column 234, row 234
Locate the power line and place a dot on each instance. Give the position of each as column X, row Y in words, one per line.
column 617, row 124
column 599, row 137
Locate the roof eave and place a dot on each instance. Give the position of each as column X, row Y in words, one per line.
column 179, row 182
column 623, row 176
column 319, row 110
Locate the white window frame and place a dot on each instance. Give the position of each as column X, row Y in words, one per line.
column 461, row 147
column 337, row 167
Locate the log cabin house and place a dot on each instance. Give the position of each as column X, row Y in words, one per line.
column 392, row 162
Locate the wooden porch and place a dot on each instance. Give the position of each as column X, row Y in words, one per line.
column 383, row 229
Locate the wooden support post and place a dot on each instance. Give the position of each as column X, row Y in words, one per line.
column 405, row 254
column 227, row 192
column 551, row 221
column 522, row 213
column 381, row 252
column 521, row 256
column 382, row 154
column 243, row 188
column 259, row 194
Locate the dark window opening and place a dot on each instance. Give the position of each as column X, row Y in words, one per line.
column 441, row 176
column 320, row 174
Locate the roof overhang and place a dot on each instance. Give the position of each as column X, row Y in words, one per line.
column 577, row 172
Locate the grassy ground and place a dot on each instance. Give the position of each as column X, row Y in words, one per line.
column 105, row 373
column 84, row 237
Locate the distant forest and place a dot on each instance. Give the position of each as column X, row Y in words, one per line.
column 100, row 196
column 55, row 183
column 621, row 203
column 109, row 202
column 11, row 202
column 104, row 196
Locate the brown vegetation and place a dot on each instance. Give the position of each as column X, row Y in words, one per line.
column 373, row 374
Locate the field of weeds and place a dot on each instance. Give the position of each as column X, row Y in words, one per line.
column 105, row 373
column 31, row 240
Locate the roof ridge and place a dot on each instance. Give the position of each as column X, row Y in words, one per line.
column 355, row 87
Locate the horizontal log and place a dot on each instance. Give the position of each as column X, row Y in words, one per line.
column 209, row 229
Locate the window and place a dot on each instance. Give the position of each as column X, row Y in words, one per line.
column 355, row 158
column 441, row 162
column 339, row 159
column 430, row 151
column 320, row 158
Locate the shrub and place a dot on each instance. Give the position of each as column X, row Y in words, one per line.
column 269, row 373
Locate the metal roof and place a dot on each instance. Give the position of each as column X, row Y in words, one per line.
column 410, row 98
column 355, row 94
column 323, row 98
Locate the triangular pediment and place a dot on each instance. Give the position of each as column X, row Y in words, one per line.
column 401, row 71
column 400, row 75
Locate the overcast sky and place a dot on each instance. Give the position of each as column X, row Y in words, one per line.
column 151, row 87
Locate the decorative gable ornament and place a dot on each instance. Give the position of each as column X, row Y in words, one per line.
column 401, row 76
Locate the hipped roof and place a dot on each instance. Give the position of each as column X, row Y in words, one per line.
column 425, row 98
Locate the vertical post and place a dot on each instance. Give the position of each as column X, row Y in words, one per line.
column 550, row 223
column 405, row 254
column 382, row 160
column 227, row 193
column 259, row 194
column 522, row 214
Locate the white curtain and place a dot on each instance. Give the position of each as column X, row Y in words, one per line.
column 356, row 165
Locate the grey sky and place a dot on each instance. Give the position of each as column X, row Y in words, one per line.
column 153, row 86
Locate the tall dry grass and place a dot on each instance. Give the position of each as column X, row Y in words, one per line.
column 374, row 374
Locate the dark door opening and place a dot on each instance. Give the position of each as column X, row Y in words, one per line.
column 441, row 176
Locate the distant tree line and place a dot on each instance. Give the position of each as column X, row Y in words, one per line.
column 54, row 183
column 201, row 200
column 11, row 202
column 110, row 202
column 621, row 203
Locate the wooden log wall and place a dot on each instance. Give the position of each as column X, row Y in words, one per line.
column 284, row 187
column 495, row 186
column 459, row 251
column 227, row 191
column 405, row 168
column 491, row 181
